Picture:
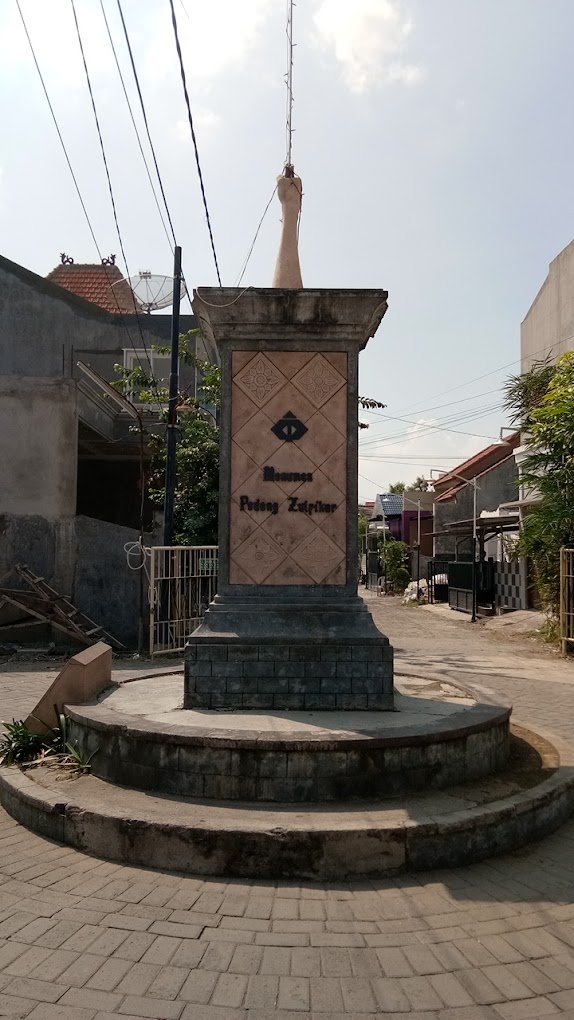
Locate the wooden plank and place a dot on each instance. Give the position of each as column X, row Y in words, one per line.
column 45, row 603
column 20, row 623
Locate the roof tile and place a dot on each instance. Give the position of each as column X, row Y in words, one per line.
column 103, row 285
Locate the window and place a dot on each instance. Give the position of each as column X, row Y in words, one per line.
column 160, row 366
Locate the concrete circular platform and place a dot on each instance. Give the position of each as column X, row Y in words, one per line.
column 307, row 841
column 139, row 736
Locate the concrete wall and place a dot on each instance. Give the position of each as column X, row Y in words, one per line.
column 550, row 320
column 499, row 485
column 82, row 558
column 38, row 446
column 44, row 329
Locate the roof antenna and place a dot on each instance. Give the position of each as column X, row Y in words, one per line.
column 289, row 188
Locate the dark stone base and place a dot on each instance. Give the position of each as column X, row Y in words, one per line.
column 309, row 655
column 288, row 677
column 297, row 766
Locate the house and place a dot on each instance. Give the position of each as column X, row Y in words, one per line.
column 495, row 472
column 399, row 512
column 102, row 284
column 71, row 492
column 366, row 509
column 547, row 330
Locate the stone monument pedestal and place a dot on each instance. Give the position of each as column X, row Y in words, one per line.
column 287, row 629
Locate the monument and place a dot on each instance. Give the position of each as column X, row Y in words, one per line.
column 286, row 760
column 287, row 629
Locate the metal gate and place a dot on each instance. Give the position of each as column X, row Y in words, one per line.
column 183, row 581
column 437, row 581
column 373, row 561
column 460, row 584
column 566, row 598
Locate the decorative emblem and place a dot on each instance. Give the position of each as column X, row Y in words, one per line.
column 318, row 381
column 289, row 428
column 260, row 380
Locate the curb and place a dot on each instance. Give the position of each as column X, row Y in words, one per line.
column 284, row 843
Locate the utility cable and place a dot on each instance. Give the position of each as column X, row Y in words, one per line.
column 149, row 138
column 144, row 115
column 112, row 199
column 478, row 378
column 135, row 127
column 437, row 407
column 71, row 169
column 57, row 126
column 454, row 416
column 193, row 138
column 426, row 428
column 249, row 253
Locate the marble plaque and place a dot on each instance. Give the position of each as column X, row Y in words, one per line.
column 288, row 518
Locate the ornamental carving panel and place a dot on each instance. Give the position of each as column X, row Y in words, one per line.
column 288, row 515
column 318, row 380
column 260, row 380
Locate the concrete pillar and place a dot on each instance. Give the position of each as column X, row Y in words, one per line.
column 287, row 628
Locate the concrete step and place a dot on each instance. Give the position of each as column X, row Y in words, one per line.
column 137, row 735
column 306, row 841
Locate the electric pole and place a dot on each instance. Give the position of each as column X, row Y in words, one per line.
column 171, row 444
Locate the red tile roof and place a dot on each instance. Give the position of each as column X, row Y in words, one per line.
column 103, row 285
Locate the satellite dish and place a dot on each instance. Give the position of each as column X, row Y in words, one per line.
column 153, row 292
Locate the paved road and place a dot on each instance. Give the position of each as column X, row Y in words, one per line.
column 82, row 939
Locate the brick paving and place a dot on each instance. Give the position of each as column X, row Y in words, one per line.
column 85, row 939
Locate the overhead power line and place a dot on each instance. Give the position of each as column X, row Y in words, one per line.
column 171, row 240
column 72, row 173
column 436, row 407
column 495, row 371
column 249, row 253
column 427, row 428
column 145, row 120
column 112, row 199
column 57, row 126
column 193, row 138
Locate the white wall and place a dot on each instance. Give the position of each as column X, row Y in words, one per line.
column 550, row 320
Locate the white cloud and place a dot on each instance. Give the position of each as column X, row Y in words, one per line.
column 54, row 37
column 435, row 447
column 368, row 38
column 216, row 36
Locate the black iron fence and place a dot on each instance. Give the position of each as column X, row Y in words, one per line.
column 498, row 585
column 437, row 581
column 461, row 581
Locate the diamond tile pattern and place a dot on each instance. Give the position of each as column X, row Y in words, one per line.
column 295, row 532
column 259, row 380
column 318, row 380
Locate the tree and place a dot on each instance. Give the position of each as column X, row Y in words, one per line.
column 197, row 456
column 394, row 559
column 420, row 484
column 542, row 405
column 526, row 393
column 368, row 404
column 397, row 487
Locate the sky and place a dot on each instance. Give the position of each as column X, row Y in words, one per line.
column 433, row 138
